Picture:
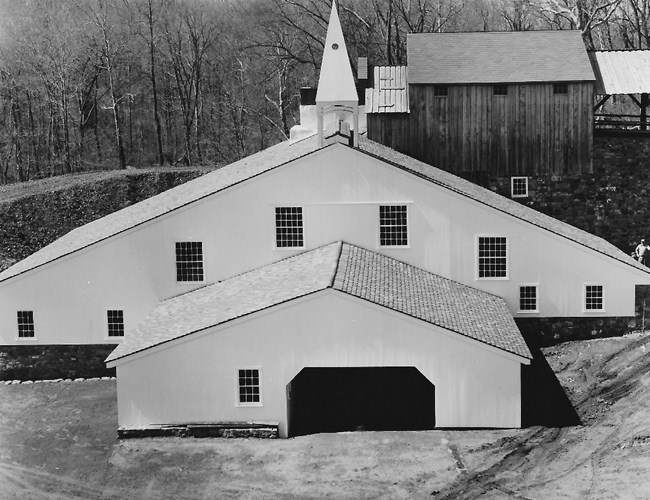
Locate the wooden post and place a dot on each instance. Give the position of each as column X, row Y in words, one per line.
column 645, row 100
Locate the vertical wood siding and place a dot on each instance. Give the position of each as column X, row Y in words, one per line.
column 530, row 131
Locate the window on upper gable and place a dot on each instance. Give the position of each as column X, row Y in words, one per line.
column 492, row 257
column 519, row 187
column 500, row 90
column 189, row 261
column 393, row 225
column 528, row 298
column 560, row 88
column 594, row 298
column 25, row 324
column 289, row 227
column 249, row 388
column 115, row 323
column 440, row 90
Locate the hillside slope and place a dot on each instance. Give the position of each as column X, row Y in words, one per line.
column 35, row 213
column 608, row 457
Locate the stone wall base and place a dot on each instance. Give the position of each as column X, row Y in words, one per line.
column 260, row 430
column 543, row 332
column 48, row 362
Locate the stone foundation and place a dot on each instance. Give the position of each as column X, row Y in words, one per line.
column 260, row 430
column 544, row 332
column 48, row 362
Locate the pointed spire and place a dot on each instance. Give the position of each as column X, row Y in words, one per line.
column 336, row 82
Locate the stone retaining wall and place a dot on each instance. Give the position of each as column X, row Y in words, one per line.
column 613, row 202
column 51, row 362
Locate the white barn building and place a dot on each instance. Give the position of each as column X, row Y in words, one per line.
column 325, row 266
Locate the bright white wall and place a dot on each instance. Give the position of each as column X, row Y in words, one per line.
column 194, row 380
column 340, row 190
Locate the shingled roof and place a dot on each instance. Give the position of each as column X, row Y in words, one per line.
column 497, row 57
column 276, row 156
column 339, row 266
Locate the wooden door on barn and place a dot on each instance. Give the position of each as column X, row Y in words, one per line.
column 363, row 398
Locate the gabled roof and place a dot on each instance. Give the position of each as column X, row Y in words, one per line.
column 339, row 266
column 276, row 156
column 497, row 57
column 621, row 71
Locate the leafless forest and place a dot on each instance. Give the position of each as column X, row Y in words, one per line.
column 96, row 84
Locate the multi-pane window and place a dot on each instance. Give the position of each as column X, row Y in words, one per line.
column 288, row 227
column 519, row 187
column 500, row 90
column 440, row 90
column 115, row 323
column 560, row 88
column 189, row 261
column 528, row 298
column 393, row 226
column 492, row 257
column 25, row 324
column 594, row 297
column 249, row 386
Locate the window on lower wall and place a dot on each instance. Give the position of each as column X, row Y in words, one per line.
column 189, row 261
column 26, row 324
column 115, row 323
column 492, row 257
column 289, row 227
column 594, row 298
column 499, row 90
column 393, row 225
column 249, row 387
column 528, row 298
column 519, row 187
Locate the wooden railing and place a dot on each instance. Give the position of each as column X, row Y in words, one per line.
column 621, row 122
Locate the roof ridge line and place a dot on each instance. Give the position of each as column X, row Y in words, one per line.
column 337, row 277
column 459, row 191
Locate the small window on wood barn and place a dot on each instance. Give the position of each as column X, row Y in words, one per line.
column 393, row 225
column 519, row 187
column 440, row 90
column 25, row 324
column 528, row 298
column 249, row 387
column 492, row 257
column 288, row 227
column 115, row 323
column 189, row 261
column 594, row 298
column 500, row 90
column 560, row 88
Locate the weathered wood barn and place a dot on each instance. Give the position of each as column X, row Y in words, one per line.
column 491, row 104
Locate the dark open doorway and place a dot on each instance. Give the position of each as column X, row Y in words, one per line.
column 348, row 399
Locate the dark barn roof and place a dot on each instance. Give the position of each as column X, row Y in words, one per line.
column 498, row 57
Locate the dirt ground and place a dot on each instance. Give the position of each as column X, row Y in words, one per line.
column 58, row 441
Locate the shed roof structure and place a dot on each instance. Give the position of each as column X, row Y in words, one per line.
column 498, row 57
column 346, row 268
column 274, row 157
column 621, row 71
